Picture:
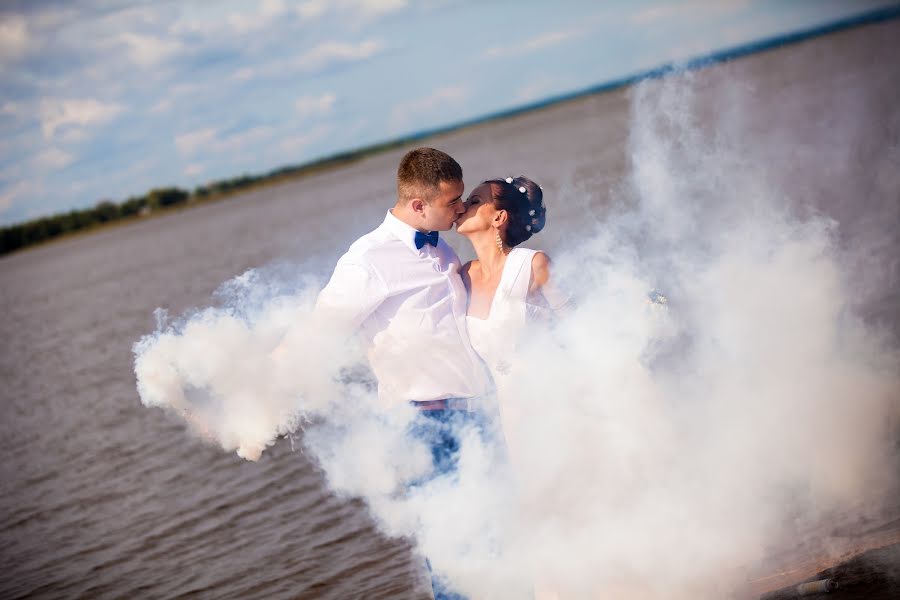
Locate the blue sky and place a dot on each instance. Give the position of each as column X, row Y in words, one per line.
column 103, row 99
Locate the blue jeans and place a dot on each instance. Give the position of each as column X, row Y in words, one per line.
column 439, row 428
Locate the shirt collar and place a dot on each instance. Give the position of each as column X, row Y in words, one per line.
column 406, row 233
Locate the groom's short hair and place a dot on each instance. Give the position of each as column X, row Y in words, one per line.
column 421, row 172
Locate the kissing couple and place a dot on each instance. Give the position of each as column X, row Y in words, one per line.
column 441, row 335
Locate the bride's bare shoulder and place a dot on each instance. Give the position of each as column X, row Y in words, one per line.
column 540, row 270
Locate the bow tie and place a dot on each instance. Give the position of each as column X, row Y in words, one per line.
column 426, row 238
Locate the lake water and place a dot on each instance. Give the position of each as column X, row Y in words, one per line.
column 103, row 498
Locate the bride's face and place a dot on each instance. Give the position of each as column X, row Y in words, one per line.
column 480, row 211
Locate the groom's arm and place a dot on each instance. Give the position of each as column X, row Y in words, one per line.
column 353, row 293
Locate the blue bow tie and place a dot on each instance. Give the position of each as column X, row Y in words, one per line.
column 426, row 238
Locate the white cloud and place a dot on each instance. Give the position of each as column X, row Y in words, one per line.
column 11, row 108
column 175, row 93
column 316, row 58
column 71, row 135
column 53, row 158
column 259, row 145
column 439, row 97
column 187, row 88
column 272, row 8
column 211, row 141
column 328, row 53
column 405, row 113
column 238, row 142
column 319, row 57
column 14, row 193
column 196, row 27
column 243, row 23
column 376, row 8
column 52, row 17
column 7, row 197
column 269, row 11
column 14, row 38
column 148, row 50
column 161, row 106
column 309, row 106
column 365, row 9
column 60, row 113
column 654, row 13
column 294, row 144
column 190, row 143
column 312, row 9
column 129, row 16
column 552, row 38
column 688, row 9
column 244, row 74
column 210, row 22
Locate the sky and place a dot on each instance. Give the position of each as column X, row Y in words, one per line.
column 106, row 99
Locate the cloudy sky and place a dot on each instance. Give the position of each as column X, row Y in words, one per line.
column 102, row 99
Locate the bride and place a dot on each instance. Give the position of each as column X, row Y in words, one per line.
column 508, row 286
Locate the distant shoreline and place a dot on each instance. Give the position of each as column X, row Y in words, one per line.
column 20, row 236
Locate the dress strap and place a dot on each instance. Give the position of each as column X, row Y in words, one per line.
column 517, row 274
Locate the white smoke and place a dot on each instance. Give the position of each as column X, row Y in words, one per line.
column 656, row 451
column 672, row 449
column 216, row 366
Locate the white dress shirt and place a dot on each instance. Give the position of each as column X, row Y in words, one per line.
column 410, row 307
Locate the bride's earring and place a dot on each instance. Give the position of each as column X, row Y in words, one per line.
column 499, row 241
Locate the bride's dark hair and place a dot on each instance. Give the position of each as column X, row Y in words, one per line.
column 523, row 201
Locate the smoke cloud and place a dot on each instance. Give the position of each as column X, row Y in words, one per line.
column 647, row 449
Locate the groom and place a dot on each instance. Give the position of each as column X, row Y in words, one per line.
column 399, row 287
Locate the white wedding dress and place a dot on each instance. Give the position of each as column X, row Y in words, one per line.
column 496, row 338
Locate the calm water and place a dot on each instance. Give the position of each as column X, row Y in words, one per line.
column 103, row 498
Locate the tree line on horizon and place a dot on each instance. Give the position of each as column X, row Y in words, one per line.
column 39, row 230
column 35, row 231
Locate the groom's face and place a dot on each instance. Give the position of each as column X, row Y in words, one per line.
column 445, row 207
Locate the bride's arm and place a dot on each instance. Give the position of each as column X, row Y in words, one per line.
column 544, row 291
